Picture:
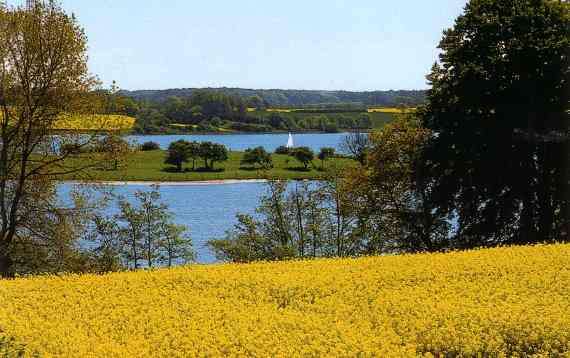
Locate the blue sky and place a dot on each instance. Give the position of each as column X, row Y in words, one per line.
column 297, row 44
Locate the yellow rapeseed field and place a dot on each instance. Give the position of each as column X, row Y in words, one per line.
column 494, row 302
column 95, row 122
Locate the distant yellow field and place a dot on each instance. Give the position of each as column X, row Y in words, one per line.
column 504, row 302
column 95, row 122
column 388, row 110
column 370, row 110
column 249, row 109
column 182, row 125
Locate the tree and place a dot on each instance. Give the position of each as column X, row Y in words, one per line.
column 54, row 245
column 177, row 154
column 219, row 153
column 267, row 239
column 356, row 144
column 175, row 244
column 304, row 155
column 148, row 146
column 106, row 244
column 152, row 214
column 146, row 232
column 193, row 151
column 282, row 150
column 404, row 217
column 150, row 120
column 43, row 53
column 212, row 153
column 304, row 220
column 325, row 154
column 131, row 233
column 244, row 243
column 257, row 155
column 114, row 151
column 498, row 108
column 364, row 121
column 341, row 222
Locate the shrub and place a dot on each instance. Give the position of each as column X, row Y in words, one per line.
column 282, row 150
column 304, row 155
column 148, row 146
column 177, row 154
column 70, row 148
column 325, row 154
column 212, row 152
column 114, row 150
column 259, row 156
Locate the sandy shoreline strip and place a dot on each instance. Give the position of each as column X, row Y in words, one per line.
column 172, row 183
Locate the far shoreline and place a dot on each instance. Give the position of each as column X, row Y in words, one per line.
column 167, row 183
column 240, row 133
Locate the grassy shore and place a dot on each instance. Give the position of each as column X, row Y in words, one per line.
column 149, row 166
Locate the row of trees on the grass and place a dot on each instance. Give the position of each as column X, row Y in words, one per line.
column 304, row 155
column 183, row 151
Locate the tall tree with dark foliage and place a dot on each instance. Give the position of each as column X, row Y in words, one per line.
column 498, row 108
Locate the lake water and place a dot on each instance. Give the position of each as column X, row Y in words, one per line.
column 207, row 210
column 210, row 210
column 240, row 142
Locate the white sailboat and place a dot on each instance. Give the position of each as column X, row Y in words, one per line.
column 290, row 141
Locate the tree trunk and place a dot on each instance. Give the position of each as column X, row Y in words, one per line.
column 546, row 209
column 339, row 247
column 300, row 225
column 6, row 264
column 135, row 253
column 149, row 236
column 563, row 232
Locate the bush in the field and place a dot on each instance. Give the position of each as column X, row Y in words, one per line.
column 282, row 150
column 148, row 146
column 304, row 155
column 258, row 155
column 70, row 148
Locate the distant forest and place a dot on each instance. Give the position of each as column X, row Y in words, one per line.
column 243, row 110
column 276, row 98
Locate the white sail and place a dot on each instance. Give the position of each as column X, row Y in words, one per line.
column 290, row 141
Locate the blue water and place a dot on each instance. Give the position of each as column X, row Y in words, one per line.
column 241, row 142
column 207, row 210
